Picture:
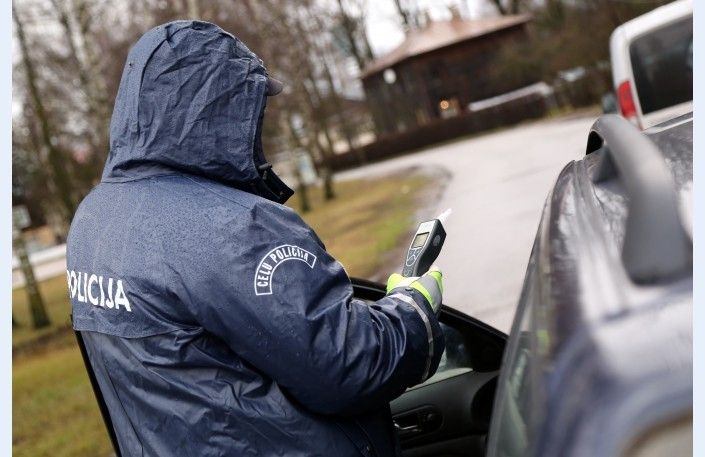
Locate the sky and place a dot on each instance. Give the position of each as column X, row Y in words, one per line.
column 383, row 26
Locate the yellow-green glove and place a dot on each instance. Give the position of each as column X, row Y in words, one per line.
column 430, row 285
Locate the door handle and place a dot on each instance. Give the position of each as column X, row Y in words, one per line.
column 407, row 429
column 417, row 422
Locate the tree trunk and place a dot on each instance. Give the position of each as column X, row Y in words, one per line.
column 350, row 29
column 302, row 188
column 500, row 7
column 328, row 188
column 337, row 104
column 342, row 118
column 37, row 310
column 404, row 15
column 91, row 80
column 56, row 160
column 96, row 84
column 369, row 54
column 313, row 99
column 287, row 25
column 193, row 10
column 516, row 6
column 56, row 217
column 327, row 150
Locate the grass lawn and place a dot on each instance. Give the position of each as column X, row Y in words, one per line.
column 54, row 412
column 55, row 297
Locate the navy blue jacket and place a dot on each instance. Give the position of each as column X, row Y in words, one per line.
column 215, row 320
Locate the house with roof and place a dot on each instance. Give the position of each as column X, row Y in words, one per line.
column 439, row 70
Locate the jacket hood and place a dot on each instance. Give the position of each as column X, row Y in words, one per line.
column 191, row 99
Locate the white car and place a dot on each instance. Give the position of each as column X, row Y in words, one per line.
column 652, row 64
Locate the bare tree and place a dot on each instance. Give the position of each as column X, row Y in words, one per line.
column 56, row 160
column 296, row 144
column 71, row 75
column 323, row 49
column 96, row 86
column 509, row 7
column 404, row 14
column 289, row 47
column 83, row 57
column 353, row 25
column 37, row 310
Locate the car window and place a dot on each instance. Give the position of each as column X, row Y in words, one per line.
column 466, row 349
column 514, row 410
column 662, row 63
column 455, row 359
column 517, row 406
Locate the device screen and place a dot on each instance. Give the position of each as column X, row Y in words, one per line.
column 419, row 240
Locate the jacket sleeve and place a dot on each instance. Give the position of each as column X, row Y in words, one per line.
column 279, row 301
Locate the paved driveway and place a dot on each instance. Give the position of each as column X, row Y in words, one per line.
column 497, row 189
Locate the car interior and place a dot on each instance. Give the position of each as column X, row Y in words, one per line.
column 449, row 414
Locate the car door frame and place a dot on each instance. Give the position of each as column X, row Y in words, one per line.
column 473, row 387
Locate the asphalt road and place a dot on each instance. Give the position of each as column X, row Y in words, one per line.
column 497, row 187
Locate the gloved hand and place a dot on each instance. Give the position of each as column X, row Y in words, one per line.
column 430, row 285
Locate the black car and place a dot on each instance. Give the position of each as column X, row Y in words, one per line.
column 599, row 358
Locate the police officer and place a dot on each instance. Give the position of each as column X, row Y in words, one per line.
column 213, row 317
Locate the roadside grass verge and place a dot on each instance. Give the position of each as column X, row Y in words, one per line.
column 55, row 295
column 54, row 411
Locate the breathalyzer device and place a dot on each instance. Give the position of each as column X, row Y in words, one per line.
column 425, row 246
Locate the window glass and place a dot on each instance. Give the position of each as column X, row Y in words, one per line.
column 512, row 426
column 455, row 358
column 517, row 405
column 662, row 62
column 456, row 353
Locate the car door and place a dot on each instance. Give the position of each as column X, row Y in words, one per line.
column 449, row 414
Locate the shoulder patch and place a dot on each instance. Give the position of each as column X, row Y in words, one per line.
column 271, row 260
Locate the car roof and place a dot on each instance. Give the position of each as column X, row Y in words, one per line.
column 654, row 19
column 624, row 34
column 622, row 347
column 587, row 215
